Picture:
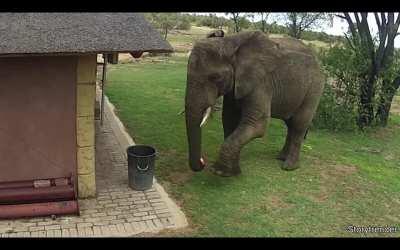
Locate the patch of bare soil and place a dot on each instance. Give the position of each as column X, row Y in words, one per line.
column 396, row 105
column 180, row 177
column 125, row 58
column 182, row 47
column 168, row 233
column 333, row 179
column 273, row 201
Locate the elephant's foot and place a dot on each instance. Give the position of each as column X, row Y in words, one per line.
column 282, row 156
column 289, row 165
column 224, row 171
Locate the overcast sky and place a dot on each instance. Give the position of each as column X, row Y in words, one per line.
column 338, row 28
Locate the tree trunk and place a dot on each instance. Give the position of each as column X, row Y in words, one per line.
column 236, row 25
column 166, row 33
column 366, row 109
column 385, row 101
column 263, row 26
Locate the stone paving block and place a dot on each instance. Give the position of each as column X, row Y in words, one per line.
column 96, row 231
column 88, row 231
column 111, row 205
column 68, row 226
column 161, row 211
column 121, row 229
column 133, row 219
column 41, row 234
column 52, row 227
column 26, row 234
column 117, row 221
column 12, row 235
column 145, row 227
column 50, row 233
column 35, row 234
column 81, row 232
column 84, row 224
column 140, row 202
column 46, row 223
column 36, row 228
column 113, row 230
column 144, row 209
column 166, row 222
column 150, row 225
column 114, row 212
column 101, row 223
column 24, row 224
column 155, row 200
column 164, row 215
column 122, row 208
column 105, row 231
column 158, row 223
column 140, row 214
column 73, row 232
column 149, row 217
column 129, row 229
column 137, row 227
column 57, row 233
column 20, row 229
column 65, row 233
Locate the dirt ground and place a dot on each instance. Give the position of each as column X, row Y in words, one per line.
column 396, row 105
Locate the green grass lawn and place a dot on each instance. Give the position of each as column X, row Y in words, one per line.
column 344, row 179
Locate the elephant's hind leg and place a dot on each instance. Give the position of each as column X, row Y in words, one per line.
column 297, row 128
column 285, row 150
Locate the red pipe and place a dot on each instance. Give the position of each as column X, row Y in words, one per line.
column 31, row 195
column 39, row 209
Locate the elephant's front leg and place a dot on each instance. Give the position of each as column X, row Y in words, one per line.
column 227, row 163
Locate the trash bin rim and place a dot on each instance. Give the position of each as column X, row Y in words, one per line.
column 141, row 156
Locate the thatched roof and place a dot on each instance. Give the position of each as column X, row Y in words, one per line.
column 47, row 33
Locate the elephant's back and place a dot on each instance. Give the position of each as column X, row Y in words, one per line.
column 291, row 45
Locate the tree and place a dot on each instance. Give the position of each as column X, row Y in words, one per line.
column 239, row 20
column 383, row 65
column 164, row 21
column 183, row 23
column 299, row 22
column 264, row 18
column 235, row 18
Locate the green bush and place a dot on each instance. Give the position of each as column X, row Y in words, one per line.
column 335, row 114
column 338, row 108
column 183, row 24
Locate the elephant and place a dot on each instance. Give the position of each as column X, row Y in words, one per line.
column 259, row 78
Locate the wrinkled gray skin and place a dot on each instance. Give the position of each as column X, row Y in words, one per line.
column 259, row 78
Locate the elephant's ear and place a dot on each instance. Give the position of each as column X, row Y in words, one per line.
column 254, row 56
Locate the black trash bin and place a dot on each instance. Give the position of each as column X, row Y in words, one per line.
column 141, row 159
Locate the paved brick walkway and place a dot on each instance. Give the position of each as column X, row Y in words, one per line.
column 117, row 210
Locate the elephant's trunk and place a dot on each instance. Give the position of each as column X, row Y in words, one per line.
column 193, row 130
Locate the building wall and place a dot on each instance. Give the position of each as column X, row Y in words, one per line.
column 86, row 95
column 37, row 117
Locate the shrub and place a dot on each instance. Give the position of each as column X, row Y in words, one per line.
column 335, row 114
column 183, row 24
column 338, row 108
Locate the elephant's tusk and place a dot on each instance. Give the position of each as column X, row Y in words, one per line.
column 205, row 117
